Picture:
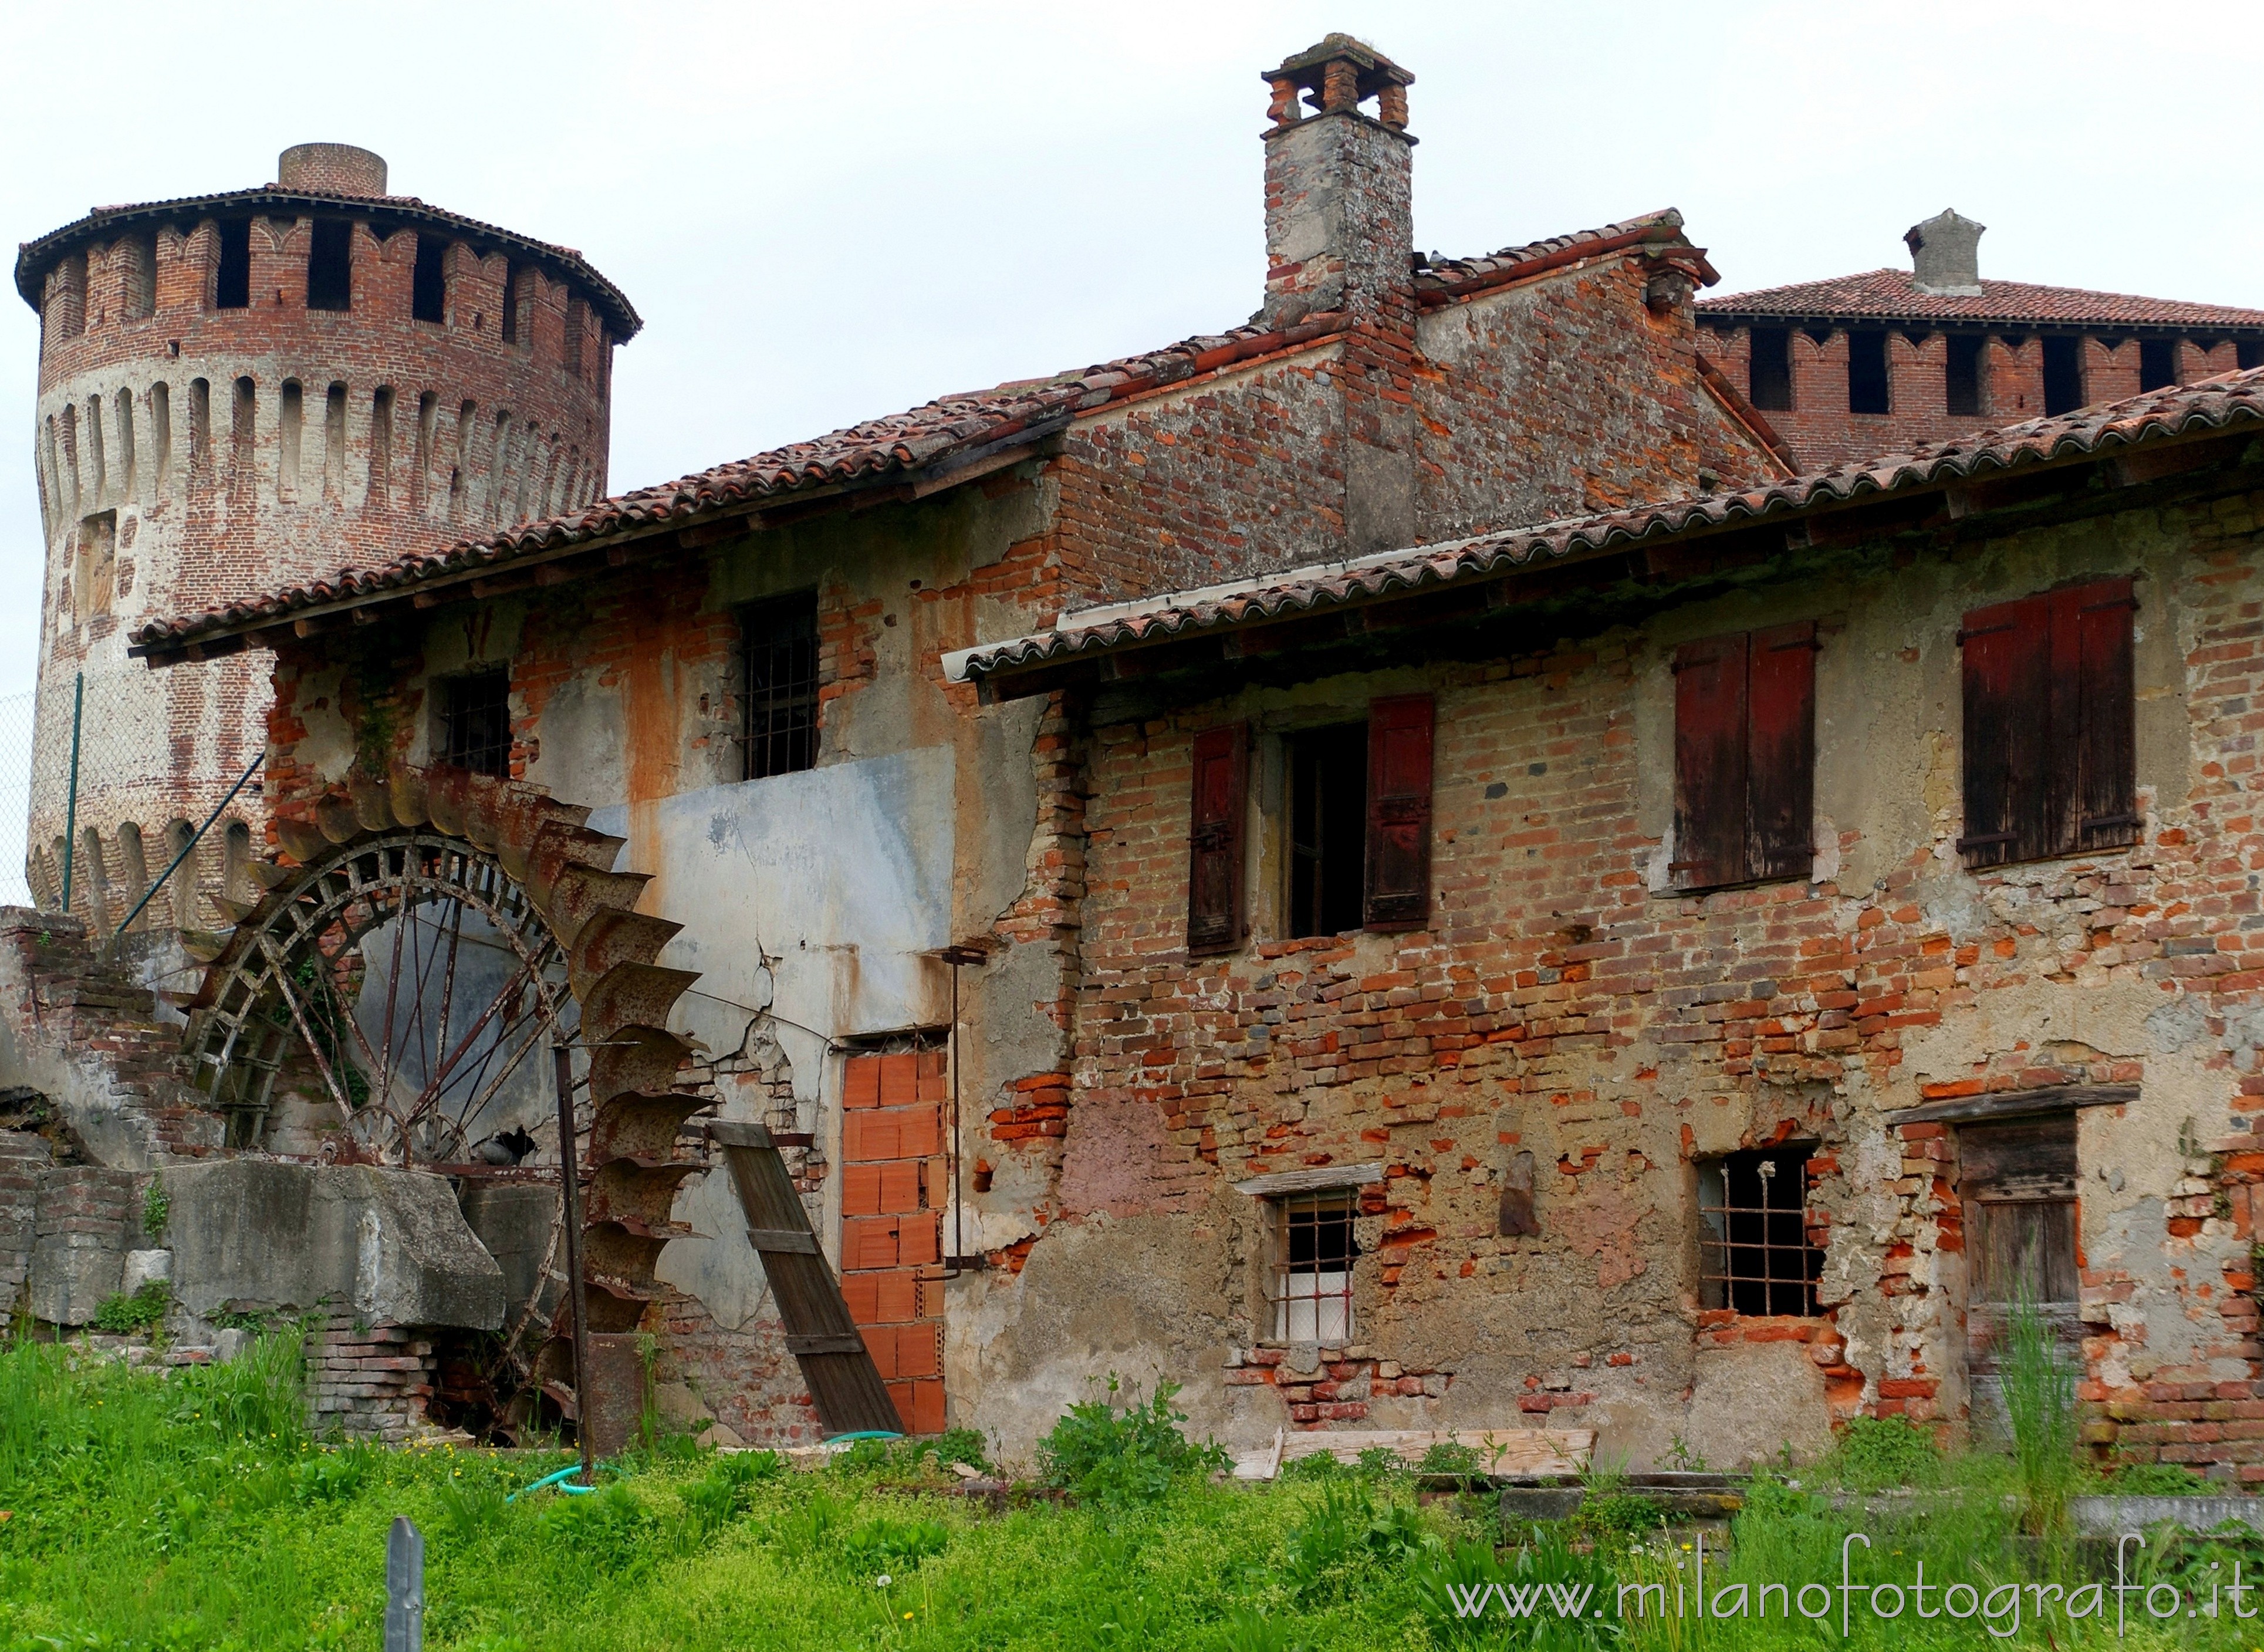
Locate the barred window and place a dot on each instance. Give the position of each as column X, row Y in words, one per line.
column 475, row 722
column 1313, row 1253
column 781, row 677
column 1755, row 1253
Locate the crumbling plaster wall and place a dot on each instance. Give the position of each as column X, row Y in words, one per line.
column 1564, row 1000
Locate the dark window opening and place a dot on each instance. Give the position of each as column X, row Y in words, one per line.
column 475, row 722
column 1867, row 370
column 1961, row 370
column 514, row 285
column 428, row 287
column 2063, row 375
column 232, row 282
column 1314, row 1251
column 1328, row 829
column 329, row 267
column 2157, row 363
column 2249, row 352
column 1756, row 1257
column 1768, row 373
column 781, row 647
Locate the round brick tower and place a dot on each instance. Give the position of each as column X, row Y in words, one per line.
column 250, row 390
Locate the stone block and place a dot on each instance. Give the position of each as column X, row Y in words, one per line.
column 145, row 1267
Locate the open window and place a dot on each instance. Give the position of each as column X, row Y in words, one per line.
column 2063, row 375
column 232, row 273
column 2049, row 725
column 1755, row 1256
column 428, row 283
column 330, row 265
column 1327, row 837
column 781, row 685
column 1745, row 757
column 475, row 722
column 1963, row 374
column 1769, row 381
column 1314, row 1250
column 1867, row 389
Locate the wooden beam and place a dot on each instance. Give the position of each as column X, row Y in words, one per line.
column 2015, row 1104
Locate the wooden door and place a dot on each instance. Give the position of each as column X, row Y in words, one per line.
column 2017, row 1188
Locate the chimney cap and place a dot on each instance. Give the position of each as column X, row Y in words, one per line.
column 1306, row 68
column 1946, row 254
column 331, row 169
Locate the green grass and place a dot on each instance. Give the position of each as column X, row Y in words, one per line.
column 191, row 1512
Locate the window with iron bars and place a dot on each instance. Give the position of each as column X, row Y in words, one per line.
column 781, row 686
column 1313, row 1255
column 1754, row 1253
column 475, row 722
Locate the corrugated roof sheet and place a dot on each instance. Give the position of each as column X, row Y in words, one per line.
column 1893, row 295
column 924, row 441
column 2211, row 404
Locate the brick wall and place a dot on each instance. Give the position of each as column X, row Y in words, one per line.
column 368, row 1382
column 1561, row 1001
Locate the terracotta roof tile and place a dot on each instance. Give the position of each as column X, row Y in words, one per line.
column 2209, row 404
column 924, row 443
column 1893, row 295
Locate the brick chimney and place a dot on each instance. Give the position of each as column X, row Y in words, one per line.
column 1339, row 220
column 331, row 169
column 1946, row 254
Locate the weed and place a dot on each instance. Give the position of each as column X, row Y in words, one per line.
column 608, row 1529
column 1450, row 1457
column 156, row 1206
column 1379, row 1462
column 886, row 1544
column 2040, row 1406
column 1246, row 1630
column 139, row 1310
column 726, row 1489
column 473, row 1512
column 332, row 1477
column 2158, row 1480
column 1543, row 1596
column 1617, row 1520
column 1117, row 1454
column 1882, row 1451
column 1681, row 1459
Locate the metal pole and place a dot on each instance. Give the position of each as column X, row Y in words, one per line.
column 562, row 1066
column 188, row 848
column 404, row 1587
column 71, row 810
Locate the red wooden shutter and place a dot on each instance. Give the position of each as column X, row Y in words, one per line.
column 2009, row 760
column 1214, row 841
column 1780, row 751
column 1399, row 811
column 2097, row 626
column 1711, row 750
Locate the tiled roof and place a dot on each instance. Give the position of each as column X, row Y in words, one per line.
column 923, row 445
column 35, row 258
column 1893, row 295
column 1442, row 280
column 2208, row 405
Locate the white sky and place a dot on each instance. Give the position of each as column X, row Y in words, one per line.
column 827, row 212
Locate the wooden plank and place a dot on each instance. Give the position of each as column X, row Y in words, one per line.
column 1500, row 1451
column 782, row 1239
column 2015, row 1104
column 1317, row 1178
column 843, row 1381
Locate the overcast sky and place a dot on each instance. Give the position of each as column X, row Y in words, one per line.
column 828, row 212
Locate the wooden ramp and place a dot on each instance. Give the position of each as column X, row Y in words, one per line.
column 1499, row 1451
column 819, row 1333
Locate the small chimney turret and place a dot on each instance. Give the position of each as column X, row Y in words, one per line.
column 1946, row 254
column 333, row 169
column 1340, row 213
